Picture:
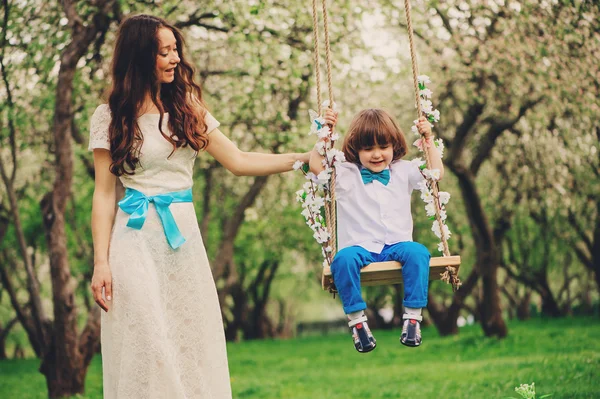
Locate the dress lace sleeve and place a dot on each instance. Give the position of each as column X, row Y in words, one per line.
column 99, row 128
column 211, row 122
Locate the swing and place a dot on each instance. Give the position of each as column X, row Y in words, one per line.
column 381, row 273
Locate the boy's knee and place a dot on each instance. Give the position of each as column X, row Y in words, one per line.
column 419, row 249
column 345, row 259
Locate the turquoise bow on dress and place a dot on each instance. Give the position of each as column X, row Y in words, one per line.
column 368, row 176
column 135, row 203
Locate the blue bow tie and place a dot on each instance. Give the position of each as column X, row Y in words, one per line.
column 368, row 176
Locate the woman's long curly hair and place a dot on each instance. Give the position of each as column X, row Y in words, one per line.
column 133, row 76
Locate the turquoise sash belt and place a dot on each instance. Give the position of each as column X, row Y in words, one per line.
column 136, row 203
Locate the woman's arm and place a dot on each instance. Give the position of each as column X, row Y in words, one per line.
column 434, row 155
column 315, row 163
column 242, row 163
column 103, row 212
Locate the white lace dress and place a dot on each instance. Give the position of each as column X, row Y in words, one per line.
column 163, row 335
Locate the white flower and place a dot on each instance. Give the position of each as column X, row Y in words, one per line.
column 320, row 147
column 436, row 115
column 433, row 174
column 424, row 79
column 299, row 195
column 443, row 215
column 325, row 104
column 425, row 93
column 418, row 162
column 435, row 227
column 444, row 197
column 316, row 122
column 439, row 143
column 321, row 236
column 422, row 185
column 430, row 209
column 328, row 249
column 324, row 132
column 415, row 130
column 440, row 247
column 317, row 202
column 427, row 195
column 334, row 156
column 426, row 106
column 325, row 262
column 334, row 137
column 323, row 177
column 298, row 165
column 306, row 213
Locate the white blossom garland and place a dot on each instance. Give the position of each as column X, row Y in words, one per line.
column 316, row 191
column 433, row 175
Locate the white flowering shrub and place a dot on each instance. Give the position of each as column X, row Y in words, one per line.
column 527, row 391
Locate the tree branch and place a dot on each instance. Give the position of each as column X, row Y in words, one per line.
column 196, row 20
column 488, row 141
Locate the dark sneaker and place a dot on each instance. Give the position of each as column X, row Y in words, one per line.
column 411, row 332
column 363, row 338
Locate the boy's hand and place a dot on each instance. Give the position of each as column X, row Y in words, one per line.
column 424, row 127
column 330, row 118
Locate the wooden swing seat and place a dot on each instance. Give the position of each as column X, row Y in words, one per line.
column 383, row 273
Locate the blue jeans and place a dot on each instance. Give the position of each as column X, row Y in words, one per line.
column 413, row 256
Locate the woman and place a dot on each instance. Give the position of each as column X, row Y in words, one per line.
column 162, row 331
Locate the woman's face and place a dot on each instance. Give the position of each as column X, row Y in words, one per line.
column 168, row 56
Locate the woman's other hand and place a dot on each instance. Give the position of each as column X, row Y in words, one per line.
column 102, row 279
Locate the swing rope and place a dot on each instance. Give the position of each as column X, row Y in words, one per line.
column 330, row 210
column 415, row 72
column 316, row 53
column 449, row 276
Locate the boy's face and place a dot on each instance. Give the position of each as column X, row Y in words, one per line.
column 376, row 158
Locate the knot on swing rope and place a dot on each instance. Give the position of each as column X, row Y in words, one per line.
column 450, row 276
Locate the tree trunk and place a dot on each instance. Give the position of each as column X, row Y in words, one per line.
column 549, row 305
column 3, row 335
column 596, row 247
column 487, row 254
column 445, row 318
column 238, row 312
column 66, row 361
column 524, row 307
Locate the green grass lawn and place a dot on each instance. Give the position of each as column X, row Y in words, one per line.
column 562, row 357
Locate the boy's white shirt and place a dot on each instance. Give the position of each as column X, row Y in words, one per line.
column 374, row 215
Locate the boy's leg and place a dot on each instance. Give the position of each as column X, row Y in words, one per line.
column 414, row 258
column 345, row 269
